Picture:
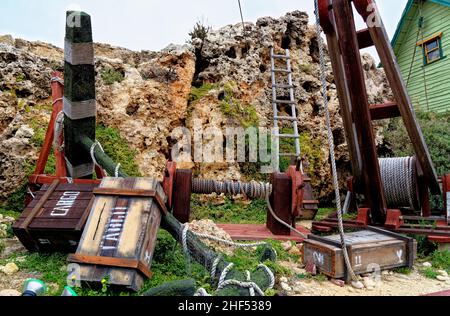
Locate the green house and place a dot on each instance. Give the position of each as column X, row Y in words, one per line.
column 422, row 46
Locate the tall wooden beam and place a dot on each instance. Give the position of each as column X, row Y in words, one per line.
column 79, row 93
column 398, row 86
column 351, row 58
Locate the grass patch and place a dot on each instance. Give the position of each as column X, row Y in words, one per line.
column 117, row 148
column 51, row 269
column 230, row 212
column 306, row 68
column 111, row 76
column 430, row 273
column 232, row 108
column 324, row 213
column 403, row 270
column 198, row 93
column 310, row 149
column 441, row 260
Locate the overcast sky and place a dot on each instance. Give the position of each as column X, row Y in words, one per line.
column 150, row 24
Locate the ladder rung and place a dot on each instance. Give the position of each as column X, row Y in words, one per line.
column 287, row 136
column 281, row 70
column 284, row 102
column 283, row 86
column 281, row 56
column 285, row 118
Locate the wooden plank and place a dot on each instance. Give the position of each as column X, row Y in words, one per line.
column 364, row 39
column 393, row 73
column 38, row 206
column 351, row 59
column 384, row 111
column 345, row 104
column 258, row 232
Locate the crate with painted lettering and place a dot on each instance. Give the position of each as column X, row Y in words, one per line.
column 120, row 235
column 55, row 218
column 369, row 249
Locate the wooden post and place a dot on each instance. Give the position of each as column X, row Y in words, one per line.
column 348, row 43
column 182, row 195
column 57, row 95
column 281, row 201
column 79, row 93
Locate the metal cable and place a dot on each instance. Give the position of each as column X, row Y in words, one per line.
column 400, row 182
column 331, row 145
column 253, row 190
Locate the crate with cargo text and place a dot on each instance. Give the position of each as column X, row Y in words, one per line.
column 55, row 218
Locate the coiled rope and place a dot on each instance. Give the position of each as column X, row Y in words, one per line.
column 331, row 145
column 251, row 286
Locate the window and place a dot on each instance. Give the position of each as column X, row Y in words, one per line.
column 432, row 49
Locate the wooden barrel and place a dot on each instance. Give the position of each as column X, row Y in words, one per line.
column 120, row 235
column 55, row 219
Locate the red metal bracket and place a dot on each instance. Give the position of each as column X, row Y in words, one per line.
column 394, row 219
column 363, row 217
column 446, row 189
column 362, row 8
column 298, row 186
column 169, row 180
column 324, row 16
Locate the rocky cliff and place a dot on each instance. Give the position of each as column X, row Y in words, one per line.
column 220, row 81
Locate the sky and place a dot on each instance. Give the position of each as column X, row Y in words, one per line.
column 151, row 24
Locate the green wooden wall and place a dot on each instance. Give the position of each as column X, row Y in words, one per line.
column 437, row 74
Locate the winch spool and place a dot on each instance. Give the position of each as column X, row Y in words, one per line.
column 400, row 181
column 253, row 190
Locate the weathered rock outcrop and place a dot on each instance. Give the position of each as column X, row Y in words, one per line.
column 152, row 96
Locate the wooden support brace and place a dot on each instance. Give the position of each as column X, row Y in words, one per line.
column 351, row 59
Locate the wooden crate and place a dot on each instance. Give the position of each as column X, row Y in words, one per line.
column 55, row 219
column 120, row 235
column 368, row 249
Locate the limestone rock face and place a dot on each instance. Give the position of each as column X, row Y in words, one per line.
column 153, row 99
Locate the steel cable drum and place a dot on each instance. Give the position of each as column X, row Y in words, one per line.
column 400, row 181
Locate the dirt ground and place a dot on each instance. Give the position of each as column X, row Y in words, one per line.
column 395, row 284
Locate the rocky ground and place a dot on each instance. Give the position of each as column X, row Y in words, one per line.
column 389, row 283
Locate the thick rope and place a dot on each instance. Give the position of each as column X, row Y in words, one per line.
column 251, row 286
column 57, row 79
column 116, row 171
column 58, row 131
column 92, row 151
column 331, row 145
